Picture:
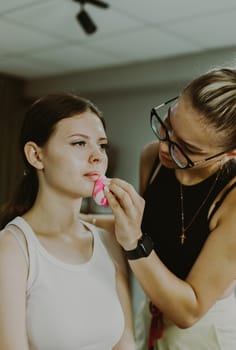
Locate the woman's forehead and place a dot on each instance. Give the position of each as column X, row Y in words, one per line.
column 78, row 122
column 190, row 126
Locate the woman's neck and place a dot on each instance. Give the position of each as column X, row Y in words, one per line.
column 55, row 217
column 196, row 175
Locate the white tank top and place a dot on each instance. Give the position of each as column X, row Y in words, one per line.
column 70, row 307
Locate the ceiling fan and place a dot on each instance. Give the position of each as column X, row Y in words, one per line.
column 83, row 17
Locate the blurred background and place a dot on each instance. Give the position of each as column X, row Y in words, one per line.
column 125, row 55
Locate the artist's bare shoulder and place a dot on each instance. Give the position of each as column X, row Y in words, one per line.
column 148, row 156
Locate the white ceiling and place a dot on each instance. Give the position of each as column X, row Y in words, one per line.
column 41, row 38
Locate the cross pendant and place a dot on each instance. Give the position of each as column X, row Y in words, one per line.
column 182, row 237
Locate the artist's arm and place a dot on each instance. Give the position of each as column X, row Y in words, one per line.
column 13, row 276
column 214, row 272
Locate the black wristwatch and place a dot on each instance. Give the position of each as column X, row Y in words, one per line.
column 143, row 249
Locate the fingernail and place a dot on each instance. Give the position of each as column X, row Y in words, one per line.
column 106, row 188
column 107, row 181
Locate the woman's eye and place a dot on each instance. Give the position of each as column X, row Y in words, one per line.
column 167, row 123
column 79, row 143
column 104, row 146
column 190, row 152
column 187, row 150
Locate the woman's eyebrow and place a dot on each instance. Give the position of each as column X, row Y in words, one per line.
column 187, row 145
column 87, row 137
column 80, row 135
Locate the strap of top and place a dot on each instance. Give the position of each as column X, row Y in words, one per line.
column 220, row 201
column 19, row 228
column 18, row 234
column 25, row 229
column 153, row 170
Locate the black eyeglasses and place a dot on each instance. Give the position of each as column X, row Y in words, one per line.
column 163, row 134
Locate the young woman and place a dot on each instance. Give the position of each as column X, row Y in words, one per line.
column 63, row 282
column 184, row 254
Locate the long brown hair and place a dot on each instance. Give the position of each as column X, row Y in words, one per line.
column 38, row 125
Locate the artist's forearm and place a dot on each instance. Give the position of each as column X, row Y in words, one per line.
column 176, row 298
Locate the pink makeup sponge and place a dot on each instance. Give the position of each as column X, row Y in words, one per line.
column 98, row 191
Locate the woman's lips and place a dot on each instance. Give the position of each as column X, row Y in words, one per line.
column 93, row 176
column 165, row 156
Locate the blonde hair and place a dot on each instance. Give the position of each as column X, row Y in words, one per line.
column 213, row 94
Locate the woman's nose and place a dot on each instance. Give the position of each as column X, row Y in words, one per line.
column 96, row 155
column 164, row 146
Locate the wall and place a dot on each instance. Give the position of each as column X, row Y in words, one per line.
column 125, row 94
column 11, row 112
column 148, row 74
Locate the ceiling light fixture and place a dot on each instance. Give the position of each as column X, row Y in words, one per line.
column 83, row 17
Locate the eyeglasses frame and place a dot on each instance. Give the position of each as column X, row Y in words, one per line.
column 190, row 163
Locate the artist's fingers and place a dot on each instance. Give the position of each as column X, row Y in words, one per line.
column 114, row 203
column 127, row 217
column 127, row 187
column 125, row 208
column 126, row 194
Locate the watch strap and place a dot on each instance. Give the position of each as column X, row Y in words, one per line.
column 144, row 247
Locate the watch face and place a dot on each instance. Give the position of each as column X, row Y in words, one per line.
column 143, row 249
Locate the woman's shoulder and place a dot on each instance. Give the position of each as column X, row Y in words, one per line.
column 148, row 157
column 224, row 205
column 7, row 240
column 149, row 151
column 11, row 253
column 7, row 237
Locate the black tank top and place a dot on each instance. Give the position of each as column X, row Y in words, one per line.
column 162, row 216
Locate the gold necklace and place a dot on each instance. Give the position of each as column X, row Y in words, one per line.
column 183, row 227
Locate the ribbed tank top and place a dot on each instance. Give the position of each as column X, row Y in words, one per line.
column 70, row 307
column 162, row 216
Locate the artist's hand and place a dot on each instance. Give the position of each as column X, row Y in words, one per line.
column 127, row 206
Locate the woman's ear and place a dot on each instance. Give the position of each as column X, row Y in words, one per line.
column 33, row 155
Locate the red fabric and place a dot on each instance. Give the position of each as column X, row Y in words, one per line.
column 156, row 327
